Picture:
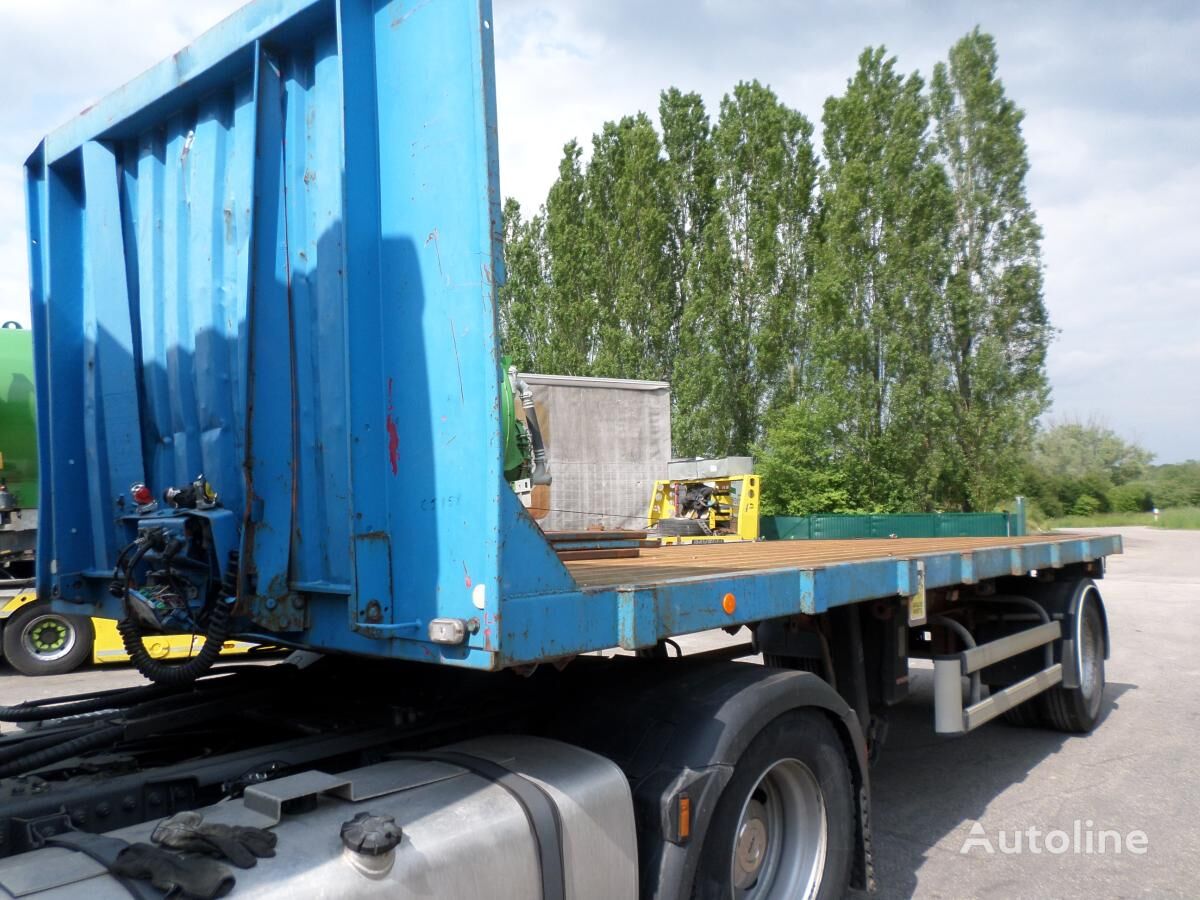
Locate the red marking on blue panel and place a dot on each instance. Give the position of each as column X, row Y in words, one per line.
column 393, row 435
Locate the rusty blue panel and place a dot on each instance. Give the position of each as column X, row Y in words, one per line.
column 271, row 442
column 272, row 260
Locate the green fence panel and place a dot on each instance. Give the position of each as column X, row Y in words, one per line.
column 901, row 525
column 786, row 528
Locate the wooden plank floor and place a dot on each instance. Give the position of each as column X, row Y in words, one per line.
column 663, row 564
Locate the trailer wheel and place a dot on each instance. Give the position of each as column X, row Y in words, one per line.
column 1079, row 710
column 784, row 826
column 38, row 641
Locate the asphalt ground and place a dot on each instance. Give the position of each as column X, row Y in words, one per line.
column 1139, row 771
column 1137, row 774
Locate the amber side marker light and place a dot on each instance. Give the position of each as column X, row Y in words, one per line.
column 684, row 815
column 729, row 603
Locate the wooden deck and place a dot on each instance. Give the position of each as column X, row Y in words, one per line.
column 666, row 564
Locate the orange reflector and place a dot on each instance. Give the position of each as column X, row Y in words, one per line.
column 729, row 603
column 685, row 817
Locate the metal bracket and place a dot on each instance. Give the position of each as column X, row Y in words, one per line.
column 918, row 612
column 637, row 619
column 265, row 804
column 950, row 717
column 387, row 632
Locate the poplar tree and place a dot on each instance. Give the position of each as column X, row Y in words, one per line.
column 743, row 323
column 998, row 329
column 571, row 308
column 525, row 323
column 627, row 220
column 687, row 143
column 881, row 268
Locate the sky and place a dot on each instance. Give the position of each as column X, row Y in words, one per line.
column 1111, row 93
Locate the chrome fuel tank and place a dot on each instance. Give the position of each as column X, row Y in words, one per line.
column 463, row 836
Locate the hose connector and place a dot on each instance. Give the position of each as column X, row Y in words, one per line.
column 541, row 465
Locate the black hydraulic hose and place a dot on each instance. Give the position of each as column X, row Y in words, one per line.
column 62, row 707
column 36, row 742
column 203, row 691
column 177, row 674
column 63, row 750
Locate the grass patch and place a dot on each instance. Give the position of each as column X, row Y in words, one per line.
column 1180, row 517
column 1183, row 517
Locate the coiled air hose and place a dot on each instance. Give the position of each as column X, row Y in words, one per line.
column 178, row 674
column 158, row 671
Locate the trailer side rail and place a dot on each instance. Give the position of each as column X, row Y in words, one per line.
column 635, row 614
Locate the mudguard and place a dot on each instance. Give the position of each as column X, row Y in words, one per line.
column 682, row 726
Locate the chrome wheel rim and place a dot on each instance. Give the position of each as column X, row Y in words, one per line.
column 781, row 838
column 48, row 637
column 1092, row 674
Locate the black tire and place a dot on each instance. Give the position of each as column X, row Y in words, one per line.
column 1025, row 715
column 680, row 528
column 799, row 663
column 1079, row 710
column 38, row 641
column 800, row 745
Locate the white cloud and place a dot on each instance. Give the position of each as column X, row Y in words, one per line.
column 1111, row 92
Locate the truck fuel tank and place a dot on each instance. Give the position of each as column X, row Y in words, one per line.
column 450, row 831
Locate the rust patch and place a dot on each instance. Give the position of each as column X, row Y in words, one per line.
column 400, row 19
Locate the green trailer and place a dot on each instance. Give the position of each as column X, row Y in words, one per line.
column 18, row 454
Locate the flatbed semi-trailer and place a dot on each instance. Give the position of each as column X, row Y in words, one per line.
column 272, row 259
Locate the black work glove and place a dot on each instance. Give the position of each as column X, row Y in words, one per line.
column 239, row 844
column 195, row 877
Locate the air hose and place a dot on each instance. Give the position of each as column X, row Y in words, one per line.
column 541, row 466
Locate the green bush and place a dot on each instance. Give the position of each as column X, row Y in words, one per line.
column 1085, row 505
column 1133, row 497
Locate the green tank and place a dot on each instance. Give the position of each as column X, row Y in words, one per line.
column 517, row 452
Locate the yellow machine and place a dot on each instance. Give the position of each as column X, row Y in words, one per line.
column 705, row 510
column 39, row 641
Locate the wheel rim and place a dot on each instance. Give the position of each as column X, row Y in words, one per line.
column 781, row 837
column 48, row 637
column 1092, row 677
